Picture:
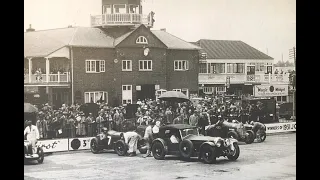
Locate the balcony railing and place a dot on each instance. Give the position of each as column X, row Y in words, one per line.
column 52, row 78
column 243, row 78
column 120, row 19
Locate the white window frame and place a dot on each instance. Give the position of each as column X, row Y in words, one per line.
column 208, row 90
column 92, row 68
column 94, row 93
column 148, row 69
column 104, row 8
column 114, row 10
column 126, row 63
column 178, row 90
column 133, row 5
column 181, row 62
column 126, row 100
column 141, row 40
column 224, row 89
column 186, row 90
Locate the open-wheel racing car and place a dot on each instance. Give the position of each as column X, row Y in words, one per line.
column 260, row 135
column 113, row 141
column 238, row 131
column 184, row 140
column 29, row 154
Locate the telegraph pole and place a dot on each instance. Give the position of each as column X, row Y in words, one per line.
column 292, row 53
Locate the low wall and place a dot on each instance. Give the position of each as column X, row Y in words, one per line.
column 74, row 144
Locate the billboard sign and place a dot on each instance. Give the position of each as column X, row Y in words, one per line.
column 270, row 90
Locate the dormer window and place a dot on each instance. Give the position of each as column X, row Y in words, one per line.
column 119, row 9
column 134, row 9
column 141, row 40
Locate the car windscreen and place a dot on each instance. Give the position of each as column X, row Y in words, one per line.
column 185, row 132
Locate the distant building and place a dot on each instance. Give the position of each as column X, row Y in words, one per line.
column 117, row 60
column 234, row 67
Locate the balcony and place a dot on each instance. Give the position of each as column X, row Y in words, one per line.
column 60, row 79
column 120, row 20
column 244, row 79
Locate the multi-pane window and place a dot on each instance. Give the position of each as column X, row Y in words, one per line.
column 119, row 9
column 134, row 9
column 126, row 94
column 181, row 65
column 235, row 68
column 141, row 40
column 94, row 66
column 202, row 67
column 208, row 90
column 145, row 65
column 95, row 96
column 216, row 68
column 221, row 89
column 260, row 67
column 126, row 65
column 107, row 9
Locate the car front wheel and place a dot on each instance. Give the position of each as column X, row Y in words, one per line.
column 250, row 137
column 208, row 154
column 235, row 154
column 94, row 146
column 121, row 148
column 158, row 151
column 41, row 155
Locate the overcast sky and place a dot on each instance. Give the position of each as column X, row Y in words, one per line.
column 267, row 25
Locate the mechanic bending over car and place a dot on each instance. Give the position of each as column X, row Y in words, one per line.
column 131, row 138
column 258, row 128
column 32, row 133
column 218, row 129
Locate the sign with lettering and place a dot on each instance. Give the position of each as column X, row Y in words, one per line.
column 280, row 127
column 270, row 90
column 79, row 143
column 53, row 145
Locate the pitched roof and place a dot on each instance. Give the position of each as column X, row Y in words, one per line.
column 43, row 43
column 225, row 49
column 173, row 42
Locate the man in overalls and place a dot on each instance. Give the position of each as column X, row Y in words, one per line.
column 32, row 133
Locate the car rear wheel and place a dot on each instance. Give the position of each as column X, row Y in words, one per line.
column 41, row 155
column 94, row 146
column 158, row 151
column 121, row 148
column 208, row 154
column 186, row 149
column 233, row 135
column 234, row 156
column 250, row 137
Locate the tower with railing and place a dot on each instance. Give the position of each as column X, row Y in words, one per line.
column 122, row 13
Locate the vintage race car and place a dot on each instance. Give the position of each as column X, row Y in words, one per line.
column 114, row 142
column 261, row 135
column 184, row 140
column 29, row 155
column 238, row 131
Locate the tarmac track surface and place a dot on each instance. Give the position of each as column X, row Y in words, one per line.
column 273, row 159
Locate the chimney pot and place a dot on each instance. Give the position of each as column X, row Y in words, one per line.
column 30, row 29
column 163, row 29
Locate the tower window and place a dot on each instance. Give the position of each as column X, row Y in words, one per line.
column 119, row 8
column 141, row 40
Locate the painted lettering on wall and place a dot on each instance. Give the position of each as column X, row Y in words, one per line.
column 50, row 145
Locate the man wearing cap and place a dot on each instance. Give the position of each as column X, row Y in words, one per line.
column 100, row 122
column 258, row 128
column 32, row 133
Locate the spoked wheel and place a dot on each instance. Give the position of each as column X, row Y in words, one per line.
column 208, row 154
column 41, row 155
column 235, row 154
column 250, row 137
column 263, row 136
column 120, row 148
column 94, row 146
column 158, row 151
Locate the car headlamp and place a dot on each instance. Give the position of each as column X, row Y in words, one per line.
column 218, row 144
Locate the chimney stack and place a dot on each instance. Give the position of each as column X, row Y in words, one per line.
column 30, row 29
column 163, row 29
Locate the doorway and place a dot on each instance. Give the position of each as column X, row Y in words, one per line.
column 147, row 92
